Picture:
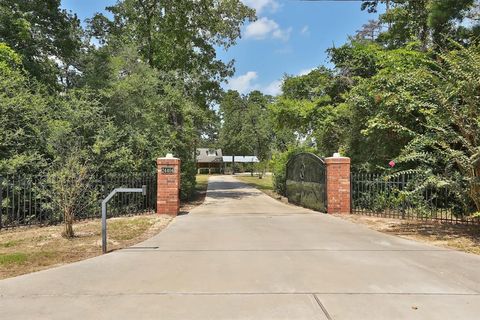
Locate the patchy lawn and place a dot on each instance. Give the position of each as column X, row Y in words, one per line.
column 202, row 182
column 453, row 236
column 28, row 249
column 265, row 185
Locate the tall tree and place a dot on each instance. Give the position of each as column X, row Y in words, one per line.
column 258, row 124
column 428, row 21
column 246, row 127
column 23, row 117
column 178, row 35
column 47, row 38
column 310, row 106
column 160, row 75
column 447, row 151
column 233, row 139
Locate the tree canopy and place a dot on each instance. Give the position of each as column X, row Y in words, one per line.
column 118, row 93
column 145, row 80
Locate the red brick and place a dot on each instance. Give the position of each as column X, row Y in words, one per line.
column 168, row 185
column 338, row 184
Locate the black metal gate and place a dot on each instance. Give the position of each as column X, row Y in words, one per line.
column 306, row 181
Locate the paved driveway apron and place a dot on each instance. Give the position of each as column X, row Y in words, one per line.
column 243, row 255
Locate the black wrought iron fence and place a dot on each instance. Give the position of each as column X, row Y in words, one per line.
column 34, row 200
column 399, row 196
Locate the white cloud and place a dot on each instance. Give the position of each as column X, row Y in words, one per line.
column 305, row 30
column 264, row 27
column 259, row 5
column 305, row 71
column 274, row 88
column 243, row 83
column 247, row 82
column 282, row 34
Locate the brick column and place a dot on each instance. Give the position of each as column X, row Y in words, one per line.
column 338, row 184
column 168, row 185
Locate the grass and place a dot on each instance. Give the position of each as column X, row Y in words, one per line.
column 264, row 184
column 11, row 243
column 28, row 249
column 122, row 229
column 202, row 182
column 453, row 236
column 12, row 258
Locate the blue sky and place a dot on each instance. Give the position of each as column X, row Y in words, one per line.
column 289, row 37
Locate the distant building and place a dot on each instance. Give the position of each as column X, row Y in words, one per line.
column 240, row 159
column 245, row 161
column 213, row 161
column 209, row 160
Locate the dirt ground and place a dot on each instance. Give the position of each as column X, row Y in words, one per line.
column 28, row 249
column 454, row 236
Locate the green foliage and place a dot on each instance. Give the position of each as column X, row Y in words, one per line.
column 9, row 59
column 430, row 22
column 147, row 90
column 450, row 143
column 312, row 107
column 47, row 37
column 178, row 35
column 397, row 97
column 387, row 109
column 356, row 59
column 409, row 92
column 22, row 122
column 246, row 127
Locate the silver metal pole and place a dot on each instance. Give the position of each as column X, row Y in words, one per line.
column 104, row 226
column 142, row 190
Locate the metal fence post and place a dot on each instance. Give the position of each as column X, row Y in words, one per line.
column 1, row 202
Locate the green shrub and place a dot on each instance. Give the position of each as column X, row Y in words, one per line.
column 187, row 179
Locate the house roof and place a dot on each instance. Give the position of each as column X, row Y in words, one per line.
column 241, row 159
column 207, row 155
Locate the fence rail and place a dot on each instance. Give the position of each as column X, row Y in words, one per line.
column 33, row 200
column 399, row 197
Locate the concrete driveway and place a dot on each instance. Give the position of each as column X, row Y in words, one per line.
column 243, row 255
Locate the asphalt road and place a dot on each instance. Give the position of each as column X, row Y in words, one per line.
column 243, row 255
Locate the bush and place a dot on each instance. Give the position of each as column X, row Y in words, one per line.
column 72, row 190
column 187, row 179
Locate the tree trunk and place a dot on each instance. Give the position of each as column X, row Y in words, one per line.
column 475, row 194
column 68, row 219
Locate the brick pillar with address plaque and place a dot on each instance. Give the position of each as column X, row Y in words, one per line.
column 168, row 185
column 338, row 184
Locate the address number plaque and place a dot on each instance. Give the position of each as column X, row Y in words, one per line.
column 167, row 170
